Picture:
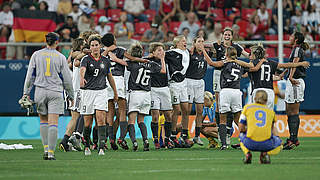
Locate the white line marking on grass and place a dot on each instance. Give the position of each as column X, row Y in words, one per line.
column 172, row 170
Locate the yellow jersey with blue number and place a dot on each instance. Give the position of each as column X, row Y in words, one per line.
column 259, row 119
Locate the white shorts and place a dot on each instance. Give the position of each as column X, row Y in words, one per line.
column 77, row 101
column 120, row 86
column 139, row 101
column 195, row 90
column 161, row 98
column 216, row 80
column 92, row 100
column 179, row 92
column 270, row 92
column 294, row 94
column 230, row 100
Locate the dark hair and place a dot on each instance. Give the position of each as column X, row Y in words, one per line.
column 231, row 52
column 51, row 38
column 258, row 52
column 94, row 38
column 153, row 46
column 45, row 4
column 205, row 34
column 69, row 17
column 77, row 43
column 211, row 21
column 196, row 38
column 300, row 40
column 108, row 39
column 228, row 29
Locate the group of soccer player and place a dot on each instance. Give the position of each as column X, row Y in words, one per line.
column 109, row 81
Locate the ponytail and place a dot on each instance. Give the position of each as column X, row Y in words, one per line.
column 305, row 46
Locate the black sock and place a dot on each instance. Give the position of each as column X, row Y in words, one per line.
column 95, row 135
column 295, row 122
column 184, row 133
column 102, row 136
column 107, row 132
column 123, row 129
column 167, row 129
column 197, row 133
column 110, row 131
column 86, row 135
column 143, row 130
column 154, row 129
column 291, row 127
column 80, row 124
column 65, row 138
column 132, row 132
column 223, row 134
column 217, row 117
column 229, row 122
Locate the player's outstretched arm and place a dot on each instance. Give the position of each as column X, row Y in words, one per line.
column 243, row 64
column 305, row 64
column 163, row 64
column 136, row 59
column 258, row 66
column 209, row 60
column 116, row 59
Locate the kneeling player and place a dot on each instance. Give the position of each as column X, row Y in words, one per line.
column 139, row 100
column 257, row 131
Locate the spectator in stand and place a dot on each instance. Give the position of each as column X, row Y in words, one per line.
column 74, row 32
column 53, row 5
column 263, row 14
column 202, row 33
column 102, row 28
column 135, row 9
column 191, row 24
column 65, row 50
column 183, row 8
column 296, row 19
column 216, row 34
column 169, row 36
column 153, row 34
column 123, row 30
column 315, row 4
column 287, row 8
column 168, row 9
column 76, row 12
column 155, row 5
column 43, row 6
column 208, row 25
column 256, row 29
column 86, row 3
column 64, row 7
column 202, row 9
column 186, row 34
column 311, row 19
column 250, row 4
column 236, row 35
column 85, row 23
column 312, row 52
column 6, row 21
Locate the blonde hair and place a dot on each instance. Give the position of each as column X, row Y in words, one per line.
column 208, row 95
column 177, row 39
column 136, row 49
column 153, row 46
column 231, row 52
column 261, row 97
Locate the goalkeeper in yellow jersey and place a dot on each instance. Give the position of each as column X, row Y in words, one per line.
column 257, row 131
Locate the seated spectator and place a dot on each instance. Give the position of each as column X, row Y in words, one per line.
column 6, row 21
column 153, row 34
column 65, row 50
column 236, row 36
column 85, row 23
column 64, row 7
column 75, row 13
column 311, row 19
column 263, row 14
column 216, row 34
column 74, row 32
column 135, row 9
column 123, row 30
column 312, row 52
column 87, row 3
column 169, row 36
column 155, row 5
column 208, row 25
column 202, row 9
column 256, row 29
column 296, row 19
column 287, row 8
column 183, row 8
column 201, row 32
column 102, row 27
column 190, row 24
column 167, row 11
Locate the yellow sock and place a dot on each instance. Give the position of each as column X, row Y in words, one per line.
column 244, row 149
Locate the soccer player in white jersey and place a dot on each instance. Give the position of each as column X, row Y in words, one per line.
column 48, row 71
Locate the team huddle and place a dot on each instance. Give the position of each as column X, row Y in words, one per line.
column 110, row 83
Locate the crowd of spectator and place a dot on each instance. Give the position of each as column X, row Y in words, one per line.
column 161, row 20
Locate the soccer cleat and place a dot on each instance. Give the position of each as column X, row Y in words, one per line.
column 63, row 146
column 75, row 143
column 123, row 144
column 212, row 143
column 235, row 146
column 135, row 146
column 101, row 152
column 223, row 147
column 297, row 143
column 175, row 142
column 51, row 157
column 168, row 143
column 157, row 145
column 146, row 145
column 247, row 159
column 113, row 145
column 198, row 141
column 264, row 158
column 94, row 147
column 185, row 142
column 87, row 151
column 45, row 156
column 288, row 145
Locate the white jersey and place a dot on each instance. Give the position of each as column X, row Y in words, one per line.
column 76, row 78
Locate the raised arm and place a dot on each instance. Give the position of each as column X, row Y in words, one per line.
column 136, row 59
column 116, row 59
column 163, row 64
column 244, row 64
column 305, row 64
column 209, row 60
column 258, row 66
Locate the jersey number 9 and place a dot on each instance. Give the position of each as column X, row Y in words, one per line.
column 261, row 117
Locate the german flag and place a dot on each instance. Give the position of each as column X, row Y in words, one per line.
column 32, row 26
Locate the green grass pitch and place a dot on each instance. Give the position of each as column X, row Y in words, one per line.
column 195, row 163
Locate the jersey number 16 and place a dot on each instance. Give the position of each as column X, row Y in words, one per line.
column 143, row 77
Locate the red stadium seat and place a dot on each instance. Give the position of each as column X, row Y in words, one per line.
column 218, row 14
column 114, row 14
column 150, row 14
column 111, row 25
column 141, row 27
column 120, row 4
column 174, row 26
column 226, row 24
column 272, row 37
column 243, row 27
column 246, row 13
column 286, row 52
column 271, row 52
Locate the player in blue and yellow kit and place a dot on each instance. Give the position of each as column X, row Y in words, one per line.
column 257, row 131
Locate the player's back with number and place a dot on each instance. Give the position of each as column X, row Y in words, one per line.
column 263, row 78
column 231, row 75
column 259, row 121
column 50, row 69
